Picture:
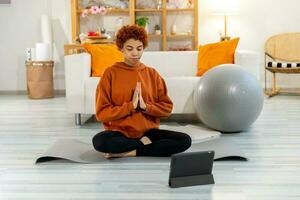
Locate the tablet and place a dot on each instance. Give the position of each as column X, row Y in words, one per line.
column 191, row 168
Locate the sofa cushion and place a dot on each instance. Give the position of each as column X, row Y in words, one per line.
column 172, row 63
column 103, row 56
column 215, row 54
column 81, row 88
column 180, row 90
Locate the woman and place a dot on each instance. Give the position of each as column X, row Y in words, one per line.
column 130, row 100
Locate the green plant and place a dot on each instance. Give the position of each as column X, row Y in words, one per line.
column 157, row 27
column 142, row 21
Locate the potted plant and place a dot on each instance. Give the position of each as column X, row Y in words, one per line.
column 157, row 29
column 143, row 21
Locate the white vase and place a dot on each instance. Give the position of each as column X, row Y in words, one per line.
column 157, row 32
column 119, row 24
column 147, row 28
column 173, row 29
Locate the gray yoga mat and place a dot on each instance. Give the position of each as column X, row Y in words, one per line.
column 77, row 151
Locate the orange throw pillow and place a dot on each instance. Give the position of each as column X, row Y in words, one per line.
column 214, row 54
column 103, row 56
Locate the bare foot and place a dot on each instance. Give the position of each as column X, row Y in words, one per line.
column 119, row 155
column 145, row 140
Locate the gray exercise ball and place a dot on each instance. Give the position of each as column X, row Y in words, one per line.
column 228, row 98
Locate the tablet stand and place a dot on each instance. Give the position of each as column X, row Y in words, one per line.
column 185, row 181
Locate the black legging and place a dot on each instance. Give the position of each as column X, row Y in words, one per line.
column 164, row 143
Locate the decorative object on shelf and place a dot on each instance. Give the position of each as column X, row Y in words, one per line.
column 157, row 29
column 78, row 40
column 159, row 4
column 149, row 4
column 123, row 4
column 173, row 29
column 81, row 37
column 225, row 8
column 102, row 30
column 155, row 10
column 190, row 5
column 143, row 21
column 120, row 4
column 180, row 34
column 94, row 37
column 90, row 4
column 175, row 4
column 119, row 24
column 94, row 10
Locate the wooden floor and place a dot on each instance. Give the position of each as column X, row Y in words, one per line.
column 27, row 127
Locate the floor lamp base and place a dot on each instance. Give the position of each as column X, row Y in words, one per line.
column 224, row 38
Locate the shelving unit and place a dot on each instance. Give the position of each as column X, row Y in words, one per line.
column 110, row 10
column 133, row 13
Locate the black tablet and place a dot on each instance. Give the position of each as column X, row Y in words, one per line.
column 191, row 168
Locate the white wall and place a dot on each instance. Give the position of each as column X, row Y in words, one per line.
column 20, row 28
column 256, row 21
column 61, row 24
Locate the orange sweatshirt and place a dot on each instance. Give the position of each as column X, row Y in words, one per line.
column 114, row 106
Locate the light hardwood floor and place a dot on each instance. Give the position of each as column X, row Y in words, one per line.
column 27, row 127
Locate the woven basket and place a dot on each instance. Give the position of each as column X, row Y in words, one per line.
column 40, row 79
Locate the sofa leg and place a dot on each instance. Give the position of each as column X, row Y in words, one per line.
column 77, row 119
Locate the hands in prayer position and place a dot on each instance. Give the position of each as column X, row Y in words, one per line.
column 138, row 100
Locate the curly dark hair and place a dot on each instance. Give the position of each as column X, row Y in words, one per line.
column 131, row 32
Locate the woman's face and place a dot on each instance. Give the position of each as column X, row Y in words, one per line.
column 132, row 51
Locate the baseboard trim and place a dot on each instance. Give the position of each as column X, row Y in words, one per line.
column 63, row 92
column 24, row 92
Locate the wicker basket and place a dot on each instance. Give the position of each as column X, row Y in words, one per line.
column 40, row 79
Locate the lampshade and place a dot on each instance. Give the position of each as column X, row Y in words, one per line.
column 224, row 7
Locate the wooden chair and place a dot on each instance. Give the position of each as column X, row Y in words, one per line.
column 282, row 55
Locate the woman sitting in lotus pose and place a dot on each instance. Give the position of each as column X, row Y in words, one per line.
column 130, row 100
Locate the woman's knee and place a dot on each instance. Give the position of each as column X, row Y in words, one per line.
column 184, row 142
column 100, row 141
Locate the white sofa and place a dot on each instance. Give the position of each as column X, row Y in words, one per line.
column 178, row 68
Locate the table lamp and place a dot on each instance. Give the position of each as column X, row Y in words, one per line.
column 225, row 8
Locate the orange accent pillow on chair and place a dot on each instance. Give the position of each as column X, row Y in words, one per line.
column 103, row 56
column 215, row 54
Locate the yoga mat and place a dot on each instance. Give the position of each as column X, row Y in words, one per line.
column 76, row 151
column 197, row 133
column 203, row 139
column 225, row 149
